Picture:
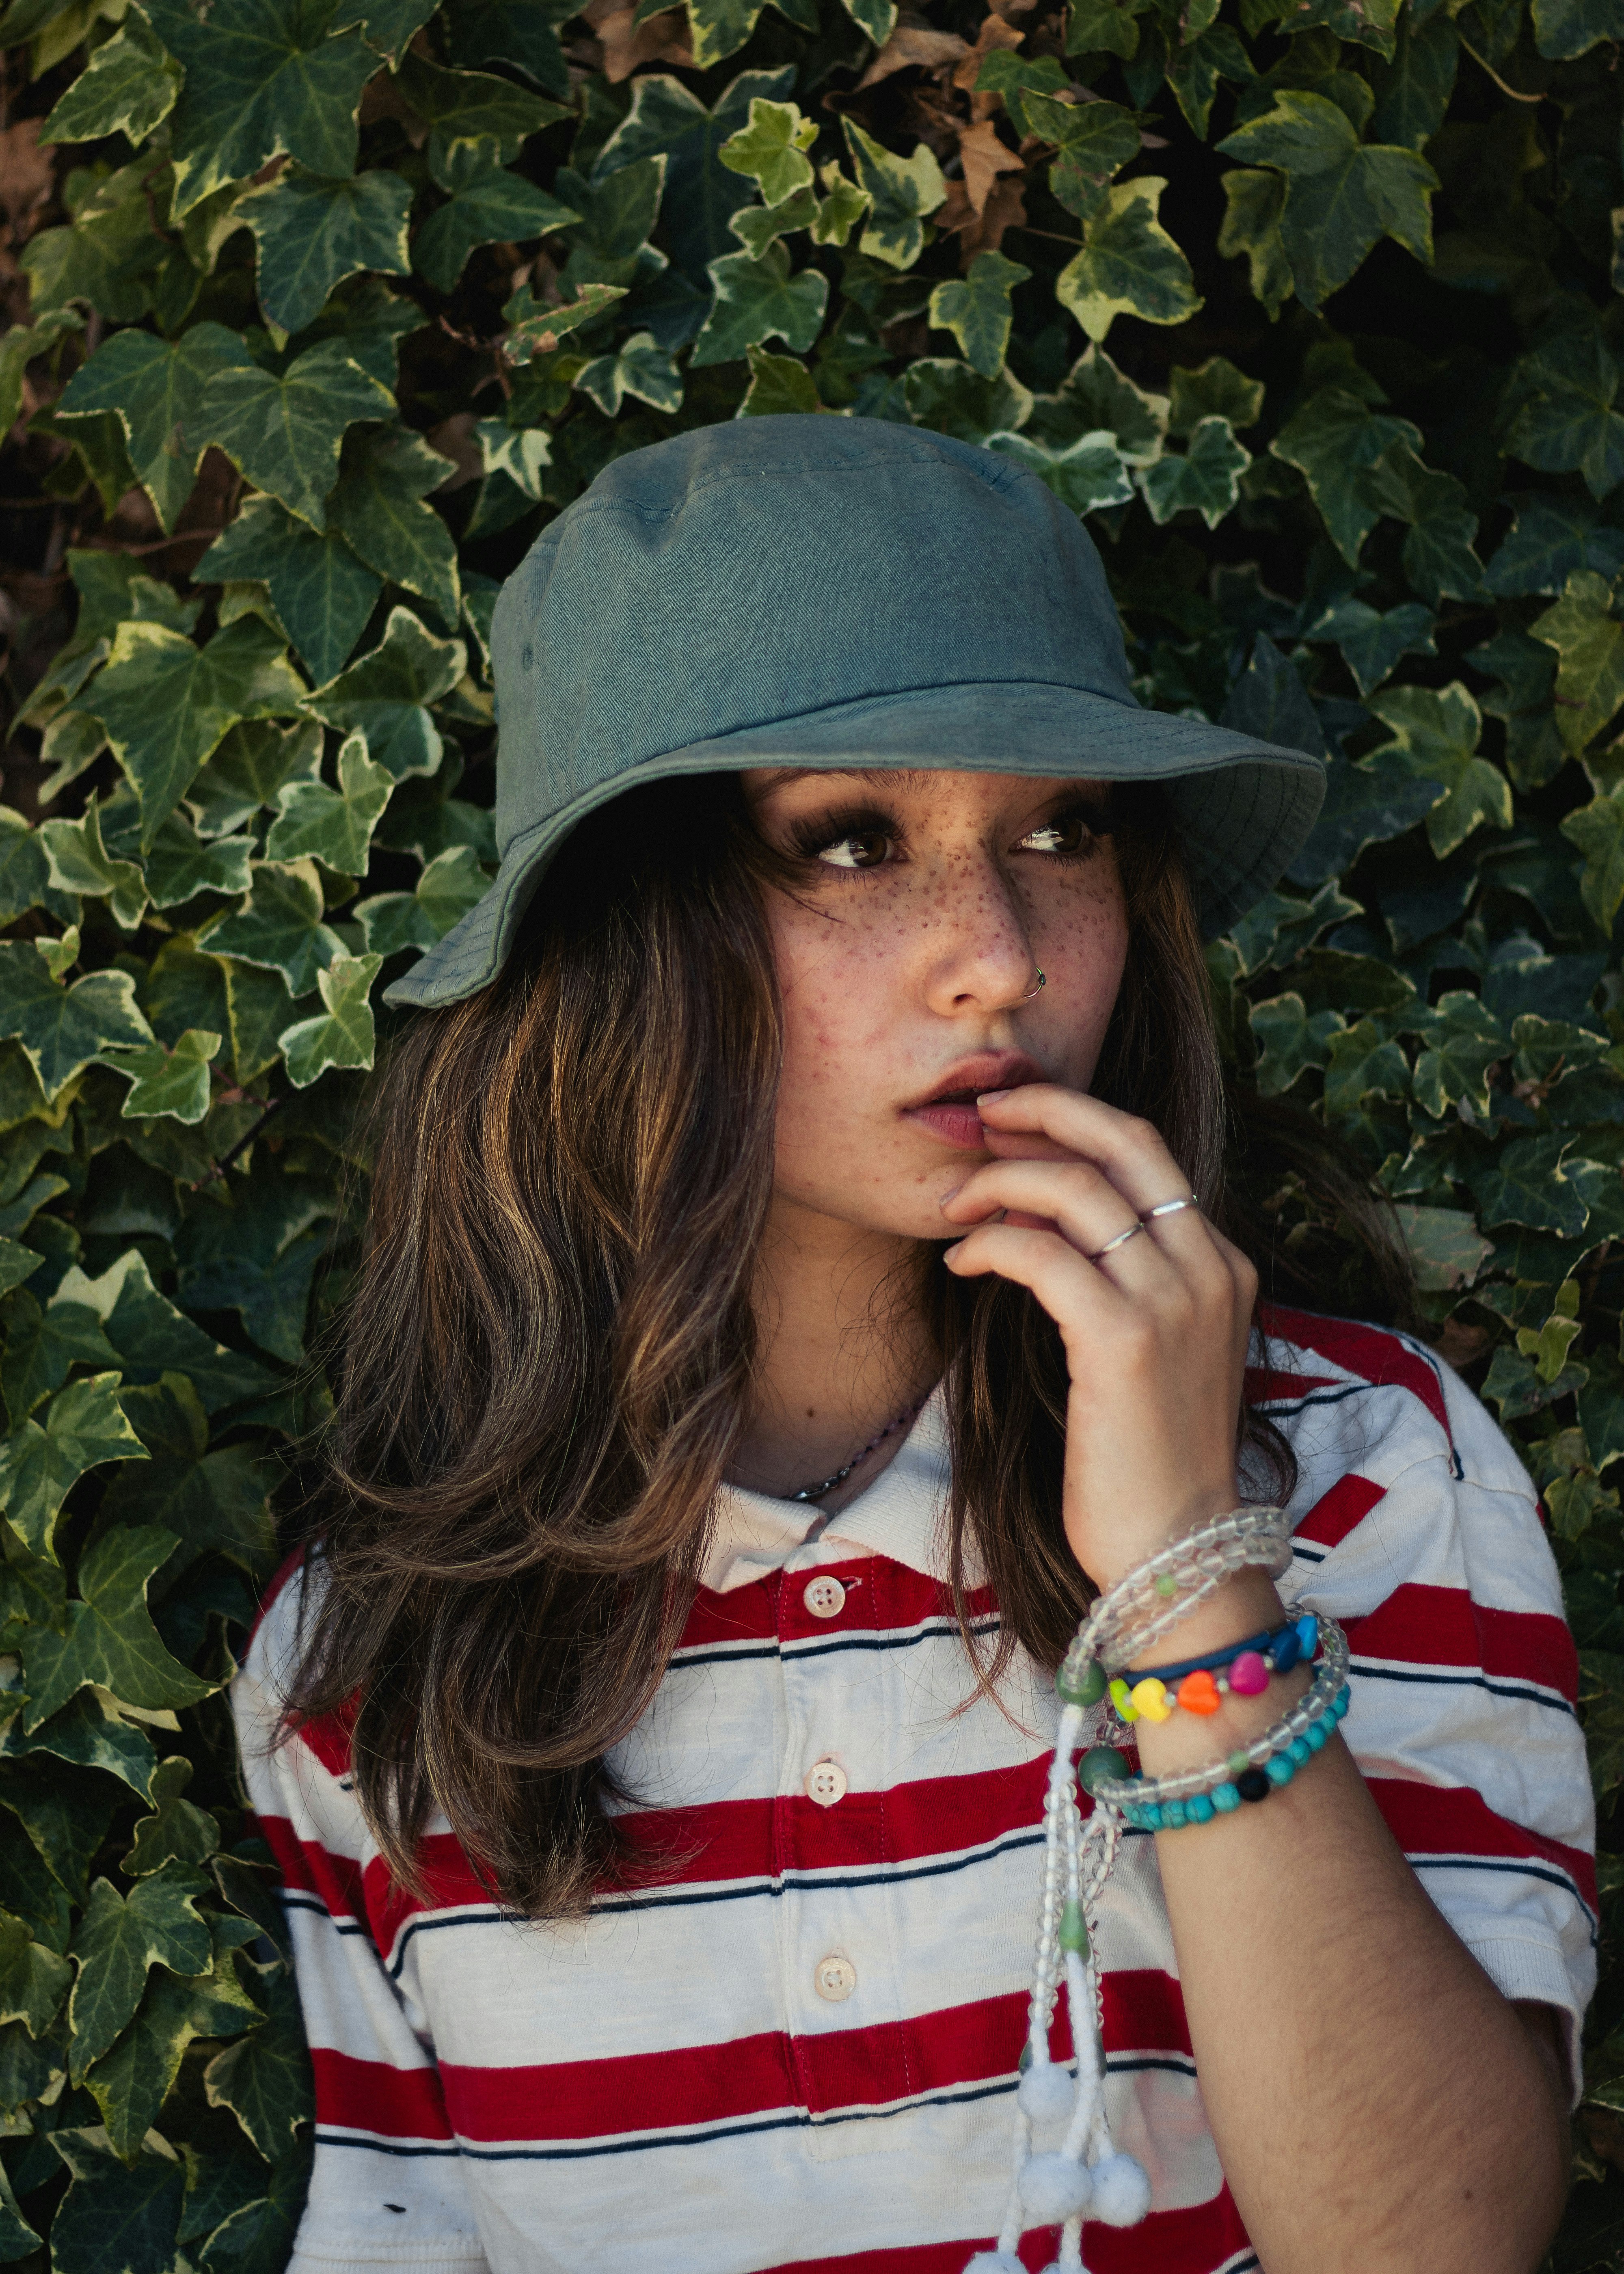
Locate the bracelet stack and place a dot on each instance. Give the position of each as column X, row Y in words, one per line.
column 1086, row 2176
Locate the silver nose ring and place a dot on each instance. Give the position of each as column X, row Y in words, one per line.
column 1032, row 992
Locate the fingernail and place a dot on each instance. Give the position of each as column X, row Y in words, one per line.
column 947, row 1196
column 948, row 1253
column 991, row 1096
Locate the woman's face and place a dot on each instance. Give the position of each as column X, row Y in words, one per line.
column 929, row 903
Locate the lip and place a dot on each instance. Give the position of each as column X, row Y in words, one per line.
column 948, row 1110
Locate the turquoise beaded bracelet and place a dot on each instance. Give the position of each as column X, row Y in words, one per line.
column 1249, row 1782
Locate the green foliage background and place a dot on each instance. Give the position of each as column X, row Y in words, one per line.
column 319, row 309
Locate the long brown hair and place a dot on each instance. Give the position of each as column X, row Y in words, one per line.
column 551, row 1347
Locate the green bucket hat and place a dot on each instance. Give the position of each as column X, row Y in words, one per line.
column 823, row 591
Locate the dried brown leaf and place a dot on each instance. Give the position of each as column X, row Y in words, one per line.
column 914, row 43
column 985, row 158
column 992, row 32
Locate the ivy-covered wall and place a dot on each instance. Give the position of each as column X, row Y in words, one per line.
column 317, row 310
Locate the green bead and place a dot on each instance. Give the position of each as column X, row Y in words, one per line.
column 1239, row 1764
column 1087, row 1692
column 1073, row 1930
column 1101, row 1765
column 1167, row 1584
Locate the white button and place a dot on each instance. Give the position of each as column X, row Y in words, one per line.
column 825, row 1599
column 836, row 1978
column 826, row 1783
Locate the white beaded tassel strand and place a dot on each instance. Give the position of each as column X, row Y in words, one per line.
column 1057, row 2189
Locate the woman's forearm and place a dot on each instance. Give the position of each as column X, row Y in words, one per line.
column 1376, row 2101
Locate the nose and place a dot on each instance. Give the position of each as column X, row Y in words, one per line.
column 979, row 953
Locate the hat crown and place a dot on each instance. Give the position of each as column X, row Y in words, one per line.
column 765, row 569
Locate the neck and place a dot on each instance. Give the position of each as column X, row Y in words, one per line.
column 845, row 1350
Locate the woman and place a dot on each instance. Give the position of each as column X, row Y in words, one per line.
column 786, row 1308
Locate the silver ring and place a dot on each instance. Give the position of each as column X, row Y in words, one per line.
column 1167, row 1207
column 1112, row 1244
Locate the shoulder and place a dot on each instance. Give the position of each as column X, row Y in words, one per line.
column 276, row 1645
column 1339, row 1387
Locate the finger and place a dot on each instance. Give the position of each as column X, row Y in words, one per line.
column 1130, row 1151
column 1063, row 1282
column 1078, row 1198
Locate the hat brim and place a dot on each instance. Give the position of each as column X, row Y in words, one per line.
column 1244, row 806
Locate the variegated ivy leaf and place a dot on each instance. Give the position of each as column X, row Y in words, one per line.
column 173, row 1083
column 758, row 300
column 1589, row 638
column 901, row 192
column 312, row 231
column 83, row 1425
column 156, row 389
column 539, row 333
column 1436, row 735
column 757, row 227
column 343, row 1035
column 772, row 149
column 63, row 1028
column 1129, row 265
column 777, row 384
column 334, row 826
column 522, row 453
column 975, row 308
column 1085, row 475
column 1205, row 479
column 386, row 695
column 80, row 864
column 637, row 367
column 128, row 86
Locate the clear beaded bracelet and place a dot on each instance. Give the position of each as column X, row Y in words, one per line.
column 1086, row 2175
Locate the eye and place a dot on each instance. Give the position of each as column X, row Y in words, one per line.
column 1067, row 834
column 863, row 849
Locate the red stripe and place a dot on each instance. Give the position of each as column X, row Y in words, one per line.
column 1443, row 1626
column 329, row 1736
column 1267, row 1385
column 307, row 1868
column 1144, row 2012
column 1455, row 1820
column 880, row 1594
column 363, row 2096
column 1346, row 1506
column 1376, row 1357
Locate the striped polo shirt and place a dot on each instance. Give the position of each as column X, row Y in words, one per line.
column 791, row 2040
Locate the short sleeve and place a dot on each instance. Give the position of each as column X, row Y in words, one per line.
column 387, row 2186
column 1418, row 1529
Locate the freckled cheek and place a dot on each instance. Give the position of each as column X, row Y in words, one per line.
column 1084, row 953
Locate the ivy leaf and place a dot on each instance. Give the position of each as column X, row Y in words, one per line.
column 128, row 86
column 1598, row 829
column 900, row 192
column 1214, row 390
column 1094, row 395
column 758, row 300
column 151, row 1335
column 63, row 1028
column 488, row 206
column 1129, row 265
column 948, row 397
column 333, row 826
column 323, row 594
column 1341, row 195
column 1550, row 537
column 180, row 866
column 522, row 454
column 178, row 1831
column 537, row 335
column 380, row 507
column 115, row 2216
column 639, row 368
column 1086, row 475
column 39, row 1467
column 1439, row 558
column 451, row 883
column 1566, row 28
column 258, row 1258
column 132, row 2082
column 1372, row 644
column 1335, row 441
column 1526, row 1184
column 42, row 1345
column 263, row 78
column 1206, row 481
column 1589, row 640
column 1416, row 86
column 1291, row 1042
column 90, row 1733
column 167, row 705
column 110, row 1639
column 312, row 231
column 34, row 1980
column 344, row 1037
column 777, row 384
column 284, row 431
column 975, row 308
column 80, row 864
column 264, row 2079
column 1437, row 734
column 464, row 107
column 1254, row 200
column 175, row 1082
column 772, row 149
column 701, row 194
column 247, row 772
column 280, row 925
column 1463, row 1039
column 386, row 695
column 757, row 227
column 155, row 388
column 215, row 1505
column 119, row 1939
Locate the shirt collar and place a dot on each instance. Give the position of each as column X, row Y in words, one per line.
column 901, row 1516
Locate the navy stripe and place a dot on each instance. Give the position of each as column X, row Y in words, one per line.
column 1373, row 1671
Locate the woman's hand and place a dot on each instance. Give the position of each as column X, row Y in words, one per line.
column 1155, row 1333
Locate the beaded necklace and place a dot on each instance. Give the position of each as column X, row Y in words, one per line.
column 817, row 1491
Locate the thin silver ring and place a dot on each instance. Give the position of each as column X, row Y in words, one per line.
column 1035, row 989
column 1121, row 1240
column 1167, row 1207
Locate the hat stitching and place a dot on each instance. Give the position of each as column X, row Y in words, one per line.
column 1003, row 477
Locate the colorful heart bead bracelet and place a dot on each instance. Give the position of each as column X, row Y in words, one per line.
column 1200, row 1685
